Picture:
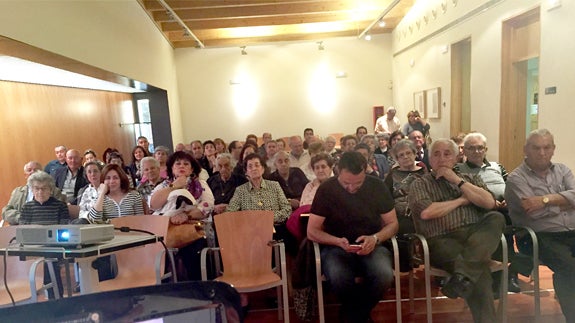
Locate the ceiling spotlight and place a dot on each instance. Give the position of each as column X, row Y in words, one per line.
column 244, row 50
column 320, row 45
column 187, row 33
column 381, row 23
column 170, row 15
column 368, row 37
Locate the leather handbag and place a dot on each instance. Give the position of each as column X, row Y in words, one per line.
column 181, row 235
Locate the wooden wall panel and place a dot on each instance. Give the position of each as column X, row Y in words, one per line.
column 36, row 118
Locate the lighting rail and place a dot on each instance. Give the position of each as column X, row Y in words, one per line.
column 376, row 20
column 181, row 22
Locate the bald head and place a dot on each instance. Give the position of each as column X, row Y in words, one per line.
column 73, row 159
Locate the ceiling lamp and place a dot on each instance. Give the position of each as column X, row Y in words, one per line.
column 173, row 16
column 244, row 52
column 378, row 19
column 320, row 45
column 381, row 23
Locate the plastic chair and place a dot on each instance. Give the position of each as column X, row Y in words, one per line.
column 320, row 279
column 246, row 253
column 430, row 270
column 141, row 266
column 24, row 277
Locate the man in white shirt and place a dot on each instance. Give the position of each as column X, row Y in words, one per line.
column 298, row 157
column 388, row 123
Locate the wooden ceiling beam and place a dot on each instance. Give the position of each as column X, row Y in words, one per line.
column 271, row 10
column 153, row 5
column 252, row 22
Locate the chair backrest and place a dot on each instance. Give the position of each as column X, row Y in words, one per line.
column 244, row 238
column 136, row 266
column 17, row 274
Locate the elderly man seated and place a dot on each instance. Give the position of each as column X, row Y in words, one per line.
column 453, row 212
column 21, row 195
column 541, row 194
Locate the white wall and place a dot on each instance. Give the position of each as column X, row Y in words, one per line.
column 116, row 36
column 432, row 68
column 278, row 85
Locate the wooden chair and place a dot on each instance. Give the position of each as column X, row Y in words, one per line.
column 320, row 279
column 141, row 266
column 432, row 271
column 24, row 277
column 246, row 254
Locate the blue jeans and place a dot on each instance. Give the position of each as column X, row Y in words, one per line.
column 341, row 268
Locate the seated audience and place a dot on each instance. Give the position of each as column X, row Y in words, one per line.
column 454, row 212
column 161, row 154
column 223, row 183
column 281, row 143
column 393, row 139
column 266, row 137
column 88, row 195
column 235, row 149
column 271, row 150
column 180, row 147
column 348, row 143
column 220, row 146
column 350, row 224
column 382, row 144
column 45, row 209
column 329, row 146
column 399, row 181
column 20, row 195
column 59, row 162
column 198, row 154
column 151, row 177
column 291, row 179
column 138, row 153
column 71, row 179
column 376, row 164
column 308, row 137
column 117, row 159
column 183, row 173
column 89, row 156
column 540, row 194
column 459, row 141
column 322, row 167
column 144, row 143
column 494, row 176
column 299, row 157
column 422, row 154
column 210, row 154
column 107, row 153
column 249, row 148
column 360, row 132
column 415, row 122
column 115, row 198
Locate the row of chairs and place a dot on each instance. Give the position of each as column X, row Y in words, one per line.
column 246, row 255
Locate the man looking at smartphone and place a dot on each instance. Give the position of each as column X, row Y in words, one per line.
column 350, row 216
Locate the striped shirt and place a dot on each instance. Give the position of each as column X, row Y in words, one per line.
column 131, row 204
column 53, row 211
column 427, row 190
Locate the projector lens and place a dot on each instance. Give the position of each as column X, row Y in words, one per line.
column 63, row 235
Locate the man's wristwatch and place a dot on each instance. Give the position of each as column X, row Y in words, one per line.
column 461, row 183
column 376, row 239
column 545, row 200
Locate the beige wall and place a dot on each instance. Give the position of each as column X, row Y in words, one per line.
column 432, row 67
column 282, row 79
column 116, row 36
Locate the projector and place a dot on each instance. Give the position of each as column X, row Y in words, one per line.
column 64, row 235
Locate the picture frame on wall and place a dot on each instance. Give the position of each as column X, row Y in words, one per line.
column 433, row 99
column 419, row 103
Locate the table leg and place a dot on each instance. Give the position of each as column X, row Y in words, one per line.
column 88, row 276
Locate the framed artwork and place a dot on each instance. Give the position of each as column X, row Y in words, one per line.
column 419, row 103
column 433, row 99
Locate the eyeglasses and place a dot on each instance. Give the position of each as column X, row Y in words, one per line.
column 478, row 149
column 40, row 188
column 408, row 153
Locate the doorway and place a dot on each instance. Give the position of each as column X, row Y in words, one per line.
column 460, row 87
column 519, row 85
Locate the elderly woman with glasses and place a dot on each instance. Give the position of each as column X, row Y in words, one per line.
column 43, row 208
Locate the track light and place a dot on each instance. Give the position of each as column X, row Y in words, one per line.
column 381, row 23
column 244, row 52
column 367, row 37
column 186, row 33
column 320, row 45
